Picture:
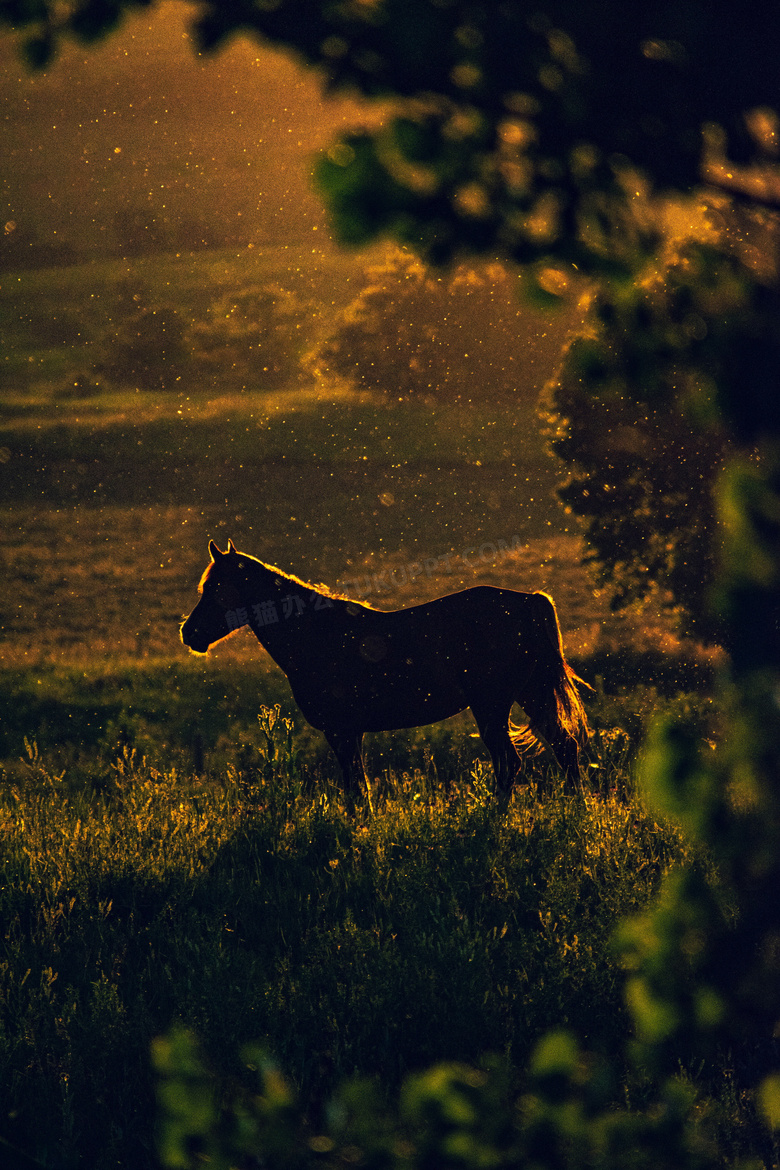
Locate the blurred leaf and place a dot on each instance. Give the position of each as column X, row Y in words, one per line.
column 769, row 1099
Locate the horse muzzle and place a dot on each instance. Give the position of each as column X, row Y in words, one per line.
column 194, row 639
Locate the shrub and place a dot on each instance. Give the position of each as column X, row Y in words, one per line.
column 146, row 343
column 253, row 335
column 464, row 336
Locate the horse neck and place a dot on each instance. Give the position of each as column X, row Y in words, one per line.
column 266, row 584
column 270, row 603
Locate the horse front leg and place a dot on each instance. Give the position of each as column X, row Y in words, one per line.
column 347, row 748
column 547, row 727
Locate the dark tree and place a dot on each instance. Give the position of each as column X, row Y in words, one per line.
column 638, row 416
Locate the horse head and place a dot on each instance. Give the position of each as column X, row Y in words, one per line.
column 216, row 614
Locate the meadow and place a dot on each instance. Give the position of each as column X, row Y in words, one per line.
column 175, row 846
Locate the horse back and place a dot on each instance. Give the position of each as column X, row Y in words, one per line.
column 489, row 607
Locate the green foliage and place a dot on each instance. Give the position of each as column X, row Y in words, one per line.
column 451, row 1117
column 517, row 130
column 198, row 1128
column 415, row 333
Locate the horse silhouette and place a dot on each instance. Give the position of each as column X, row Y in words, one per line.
column 353, row 668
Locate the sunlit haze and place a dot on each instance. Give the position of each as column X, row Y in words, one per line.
column 143, row 126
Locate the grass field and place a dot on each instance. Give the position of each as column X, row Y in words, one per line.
column 169, row 857
column 246, row 903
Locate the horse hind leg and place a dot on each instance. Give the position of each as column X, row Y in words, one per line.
column 566, row 751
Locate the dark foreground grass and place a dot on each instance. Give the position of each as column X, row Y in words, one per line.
column 247, row 905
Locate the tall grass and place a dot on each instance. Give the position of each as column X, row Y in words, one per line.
column 247, row 904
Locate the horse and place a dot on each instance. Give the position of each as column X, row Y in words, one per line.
column 353, row 668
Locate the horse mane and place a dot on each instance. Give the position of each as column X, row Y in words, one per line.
column 291, row 578
column 205, row 576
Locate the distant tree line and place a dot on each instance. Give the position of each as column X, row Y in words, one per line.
column 133, row 232
column 250, row 338
column 138, row 231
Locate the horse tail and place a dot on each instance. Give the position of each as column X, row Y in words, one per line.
column 571, row 712
column 524, row 739
column 552, row 670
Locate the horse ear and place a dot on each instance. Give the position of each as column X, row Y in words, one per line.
column 231, row 546
column 214, row 551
